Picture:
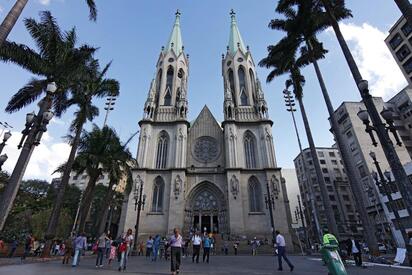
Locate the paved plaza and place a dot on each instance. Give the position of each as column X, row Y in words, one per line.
column 219, row 265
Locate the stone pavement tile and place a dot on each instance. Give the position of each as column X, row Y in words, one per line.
column 219, row 265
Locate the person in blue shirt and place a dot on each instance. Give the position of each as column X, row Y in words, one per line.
column 156, row 246
column 206, row 247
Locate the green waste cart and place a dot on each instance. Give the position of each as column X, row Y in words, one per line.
column 331, row 258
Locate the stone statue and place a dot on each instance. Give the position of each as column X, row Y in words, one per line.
column 234, row 186
column 177, row 186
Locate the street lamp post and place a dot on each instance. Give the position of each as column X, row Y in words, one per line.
column 110, row 102
column 381, row 129
column 385, row 186
column 140, row 200
column 3, row 159
column 6, row 137
column 270, row 204
column 36, row 125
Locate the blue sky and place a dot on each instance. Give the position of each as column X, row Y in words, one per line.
column 130, row 33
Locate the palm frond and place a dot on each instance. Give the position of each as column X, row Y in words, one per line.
column 26, row 95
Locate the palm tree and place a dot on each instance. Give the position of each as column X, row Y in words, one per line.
column 98, row 150
column 93, row 84
column 406, row 9
column 56, row 59
column 401, row 178
column 15, row 12
column 303, row 21
column 283, row 61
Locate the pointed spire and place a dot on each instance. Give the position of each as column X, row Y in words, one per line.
column 235, row 39
column 175, row 40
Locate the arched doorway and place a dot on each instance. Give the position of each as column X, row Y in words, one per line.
column 205, row 209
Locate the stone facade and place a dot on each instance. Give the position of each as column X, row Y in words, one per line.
column 205, row 174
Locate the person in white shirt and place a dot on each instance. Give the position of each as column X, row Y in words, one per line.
column 281, row 245
column 356, row 251
column 196, row 241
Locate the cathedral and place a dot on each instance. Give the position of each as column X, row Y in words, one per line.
column 207, row 175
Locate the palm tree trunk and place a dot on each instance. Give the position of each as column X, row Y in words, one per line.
column 10, row 20
column 58, row 204
column 87, row 200
column 404, row 184
column 101, row 223
column 351, row 172
column 321, row 181
column 406, row 9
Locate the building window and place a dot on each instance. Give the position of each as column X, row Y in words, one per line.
column 158, row 190
column 169, row 87
column 403, row 52
column 334, row 162
column 324, row 170
column 327, row 179
column 395, row 41
column 252, row 81
column 250, row 145
column 406, row 29
column 231, row 83
column 162, row 146
column 322, row 161
column 255, row 193
column 362, row 171
column 332, row 154
column 321, row 154
column 345, row 197
column 242, row 86
column 408, row 65
column 159, row 82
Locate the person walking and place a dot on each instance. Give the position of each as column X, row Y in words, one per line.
column 68, row 251
column 255, row 245
column 206, row 247
column 14, row 245
column 79, row 246
column 176, row 251
column 27, row 246
column 235, row 247
column 113, row 253
column 149, row 247
column 108, row 245
column 196, row 241
column 122, row 253
column 354, row 248
column 281, row 246
column 101, row 247
column 156, row 246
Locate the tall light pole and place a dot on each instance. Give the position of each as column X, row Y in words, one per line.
column 32, row 134
column 382, row 130
column 110, row 102
column 139, row 202
column 386, row 186
column 290, row 104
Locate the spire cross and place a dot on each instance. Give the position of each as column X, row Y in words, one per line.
column 177, row 13
column 232, row 12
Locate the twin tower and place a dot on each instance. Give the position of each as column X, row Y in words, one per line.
column 205, row 175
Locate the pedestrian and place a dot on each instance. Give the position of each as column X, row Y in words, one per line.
column 56, row 249
column 68, row 251
column 354, row 248
column 226, row 247
column 112, row 254
column 101, row 247
column 206, row 247
column 196, row 241
column 80, row 244
column 176, row 251
column 281, row 246
column 149, row 247
column 156, row 245
column 122, row 252
column 235, row 247
column 13, row 247
column 186, row 245
column 255, row 245
column 27, row 246
column 108, row 245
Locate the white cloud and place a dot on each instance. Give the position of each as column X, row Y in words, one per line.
column 374, row 59
column 45, row 2
column 44, row 160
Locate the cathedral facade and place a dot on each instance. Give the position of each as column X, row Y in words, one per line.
column 207, row 175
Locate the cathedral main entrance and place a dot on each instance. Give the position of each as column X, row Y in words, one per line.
column 206, row 210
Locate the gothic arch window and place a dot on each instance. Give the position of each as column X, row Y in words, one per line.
column 158, row 191
column 169, row 86
column 181, row 73
column 158, row 85
column 250, row 149
column 252, row 81
column 231, row 83
column 162, row 146
column 255, row 195
column 242, row 85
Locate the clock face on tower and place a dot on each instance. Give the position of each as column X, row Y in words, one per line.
column 206, row 149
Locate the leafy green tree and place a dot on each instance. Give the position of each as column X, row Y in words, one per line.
column 39, row 224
